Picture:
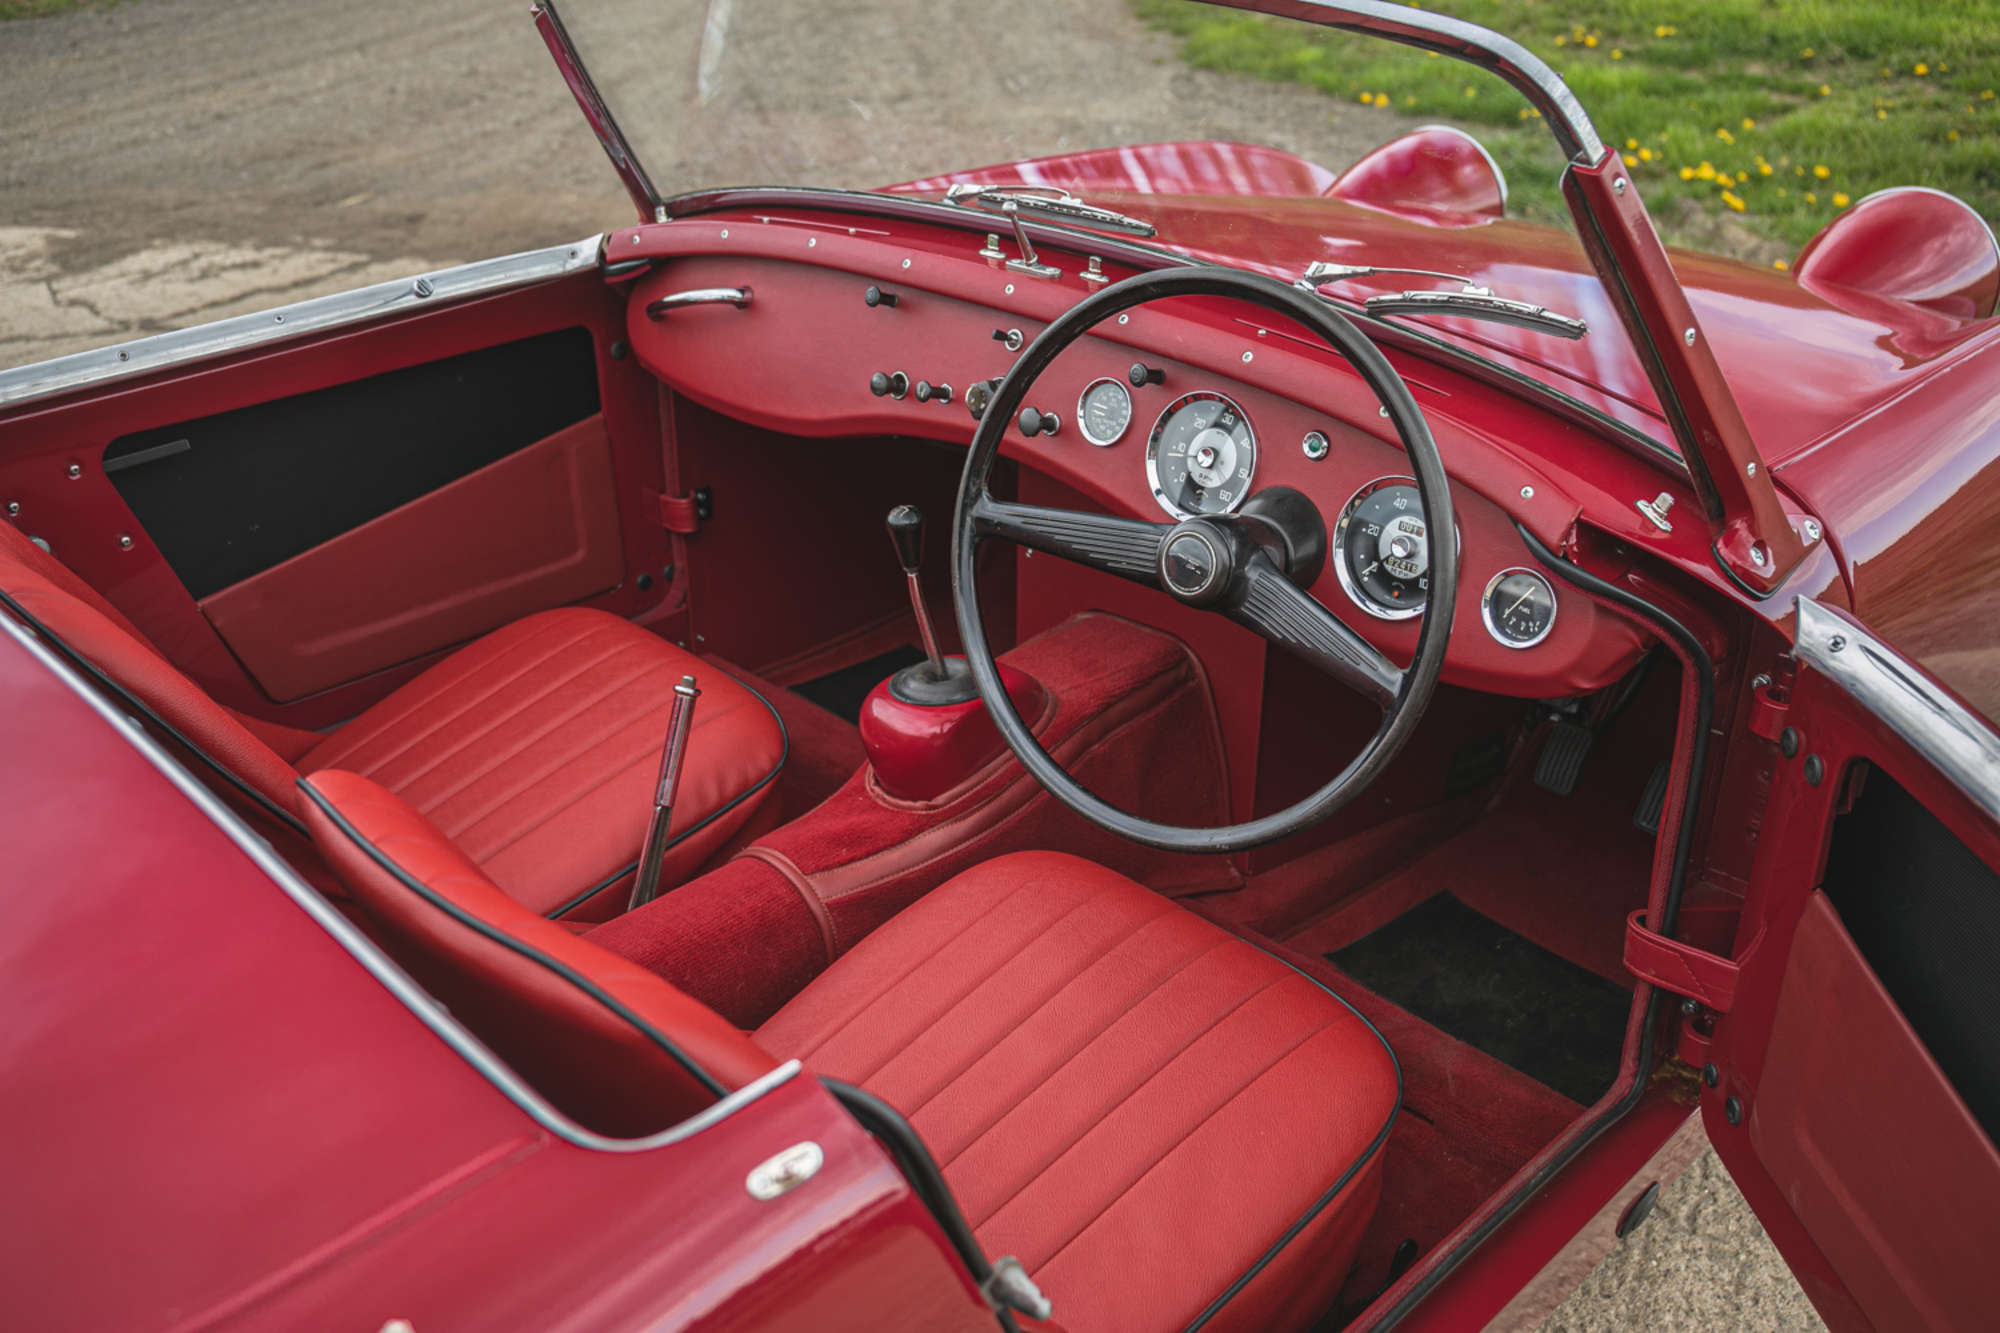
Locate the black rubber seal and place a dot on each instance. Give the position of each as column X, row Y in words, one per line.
column 502, row 938
column 134, row 704
column 784, row 753
column 1704, row 669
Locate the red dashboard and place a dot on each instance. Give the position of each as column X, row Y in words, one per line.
column 800, row 355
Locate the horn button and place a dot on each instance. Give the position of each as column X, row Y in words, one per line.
column 1197, row 562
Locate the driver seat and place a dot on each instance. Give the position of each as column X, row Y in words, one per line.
column 1166, row 1125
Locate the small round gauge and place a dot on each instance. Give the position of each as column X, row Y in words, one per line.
column 1384, row 549
column 1519, row 607
column 1103, row 411
column 1201, row 456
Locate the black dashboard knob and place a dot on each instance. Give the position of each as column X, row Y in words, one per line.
column 875, row 296
column 892, row 384
column 1039, row 423
column 928, row 392
column 1142, row 374
column 906, row 529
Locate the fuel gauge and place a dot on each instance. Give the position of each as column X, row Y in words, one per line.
column 1519, row 607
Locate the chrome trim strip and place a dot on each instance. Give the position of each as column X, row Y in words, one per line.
column 597, row 111
column 384, row 969
column 226, row 337
column 1527, row 72
column 1945, row 732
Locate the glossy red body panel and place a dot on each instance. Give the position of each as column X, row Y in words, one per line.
column 1814, row 1232
column 82, row 519
column 204, row 1083
column 1438, row 174
column 920, row 752
column 1924, row 247
column 538, row 528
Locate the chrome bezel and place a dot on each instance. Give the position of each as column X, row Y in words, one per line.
column 1486, row 607
column 1153, row 452
column 1083, row 418
column 1339, row 553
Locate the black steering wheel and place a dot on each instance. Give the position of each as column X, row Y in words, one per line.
column 1254, row 566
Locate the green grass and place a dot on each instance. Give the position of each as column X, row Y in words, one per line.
column 1802, row 107
column 35, row 9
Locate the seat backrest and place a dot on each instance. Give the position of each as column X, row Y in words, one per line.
column 87, row 625
column 616, row 1047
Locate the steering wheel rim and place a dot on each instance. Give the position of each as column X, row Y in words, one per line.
column 1121, row 546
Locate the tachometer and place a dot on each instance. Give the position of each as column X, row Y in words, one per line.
column 1202, row 456
column 1103, row 411
column 1384, row 549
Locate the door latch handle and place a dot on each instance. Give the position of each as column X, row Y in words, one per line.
column 737, row 296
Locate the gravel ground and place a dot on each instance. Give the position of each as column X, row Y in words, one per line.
column 167, row 162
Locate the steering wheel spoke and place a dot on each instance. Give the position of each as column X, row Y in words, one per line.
column 1127, row 547
column 1286, row 614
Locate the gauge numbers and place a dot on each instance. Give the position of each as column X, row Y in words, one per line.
column 1382, row 549
column 1103, row 411
column 1202, row 456
column 1519, row 607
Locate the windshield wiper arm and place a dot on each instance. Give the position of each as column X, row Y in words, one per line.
column 1469, row 300
column 1048, row 203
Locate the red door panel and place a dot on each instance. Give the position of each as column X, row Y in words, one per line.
column 537, row 529
column 1856, row 1077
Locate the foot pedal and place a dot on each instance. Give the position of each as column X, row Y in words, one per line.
column 1654, row 800
column 1561, row 764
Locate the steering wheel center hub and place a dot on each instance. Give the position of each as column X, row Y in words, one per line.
column 1195, row 563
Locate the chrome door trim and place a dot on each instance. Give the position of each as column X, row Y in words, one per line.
column 1945, row 732
column 226, row 337
column 378, row 964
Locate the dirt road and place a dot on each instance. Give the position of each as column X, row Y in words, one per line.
column 167, row 162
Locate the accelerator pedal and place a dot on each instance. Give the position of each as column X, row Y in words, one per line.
column 1652, row 801
column 1561, row 764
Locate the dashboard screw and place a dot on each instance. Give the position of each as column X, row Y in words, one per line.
column 1732, row 1111
column 422, row 287
column 124, row 541
column 1248, row 357
column 1812, row 529
column 1711, row 1075
column 1836, row 643
column 1688, row 337
column 73, row 471
column 1788, row 742
column 13, row 508
column 1527, row 492
column 1815, row 770
column 1618, row 186
column 1757, row 555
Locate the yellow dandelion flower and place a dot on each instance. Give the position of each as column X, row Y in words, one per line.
column 1781, row 266
column 1880, row 114
column 1367, row 99
column 1706, row 171
column 1749, row 124
column 1576, row 31
column 1825, row 91
column 1432, row 54
column 1561, row 40
column 1381, row 99
column 1646, row 154
column 1952, row 135
column 1885, row 71
column 1725, row 136
column 1617, row 54
column 1763, row 168
column 1920, row 69
column 1664, row 30
column 1631, row 143
column 1472, row 92
column 1687, row 173
column 1590, row 40
column 1629, row 160
column 1986, row 96
column 1736, row 205
column 1840, row 201
column 1806, row 54
column 1724, row 179
column 1820, row 172
column 1811, row 198
column 1798, row 171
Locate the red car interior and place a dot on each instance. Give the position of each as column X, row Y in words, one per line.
column 413, row 598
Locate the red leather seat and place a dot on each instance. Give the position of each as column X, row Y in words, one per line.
column 534, row 748
column 1158, row 1119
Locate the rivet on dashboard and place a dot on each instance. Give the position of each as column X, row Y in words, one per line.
column 1618, row 186
column 1527, row 492
column 73, row 471
column 1124, row 319
column 1688, row 337
column 124, row 541
column 1010, row 289
column 1757, row 555
column 906, row 263
column 811, row 241
column 725, row 233
column 1248, row 356
column 1811, row 529
column 1382, row 411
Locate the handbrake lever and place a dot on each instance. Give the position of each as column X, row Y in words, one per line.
column 646, row 884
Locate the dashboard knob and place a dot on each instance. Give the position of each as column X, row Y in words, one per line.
column 1010, row 337
column 927, row 392
column 1034, row 423
column 1142, row 374
column 893, row 384
column 875, row 296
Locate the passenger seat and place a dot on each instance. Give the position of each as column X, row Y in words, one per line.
column 534, row 748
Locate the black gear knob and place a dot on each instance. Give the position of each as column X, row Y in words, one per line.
column 906, row 529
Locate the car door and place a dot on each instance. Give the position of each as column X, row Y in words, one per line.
column 303, row 507
column 1854, row 1083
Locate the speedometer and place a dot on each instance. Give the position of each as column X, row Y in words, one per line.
column 1382, row 549
column 1103, row 411
column 1201, row 456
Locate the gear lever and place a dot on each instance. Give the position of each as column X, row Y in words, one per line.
column 646, row 884
column 906, row 529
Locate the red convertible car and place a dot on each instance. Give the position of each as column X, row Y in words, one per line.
column 1401, row 708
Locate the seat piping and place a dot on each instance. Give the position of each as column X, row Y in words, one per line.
column 502, row 938
column 784, row 753
column 141, row 707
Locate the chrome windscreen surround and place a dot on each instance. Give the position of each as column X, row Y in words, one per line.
column 324, row 314
column 1942, row 730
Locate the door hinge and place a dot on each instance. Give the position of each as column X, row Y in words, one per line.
column 684, row 513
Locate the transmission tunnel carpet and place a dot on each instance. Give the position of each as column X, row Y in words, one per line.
column 1473, row 978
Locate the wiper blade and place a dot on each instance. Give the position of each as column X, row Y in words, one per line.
column 1048, row 203
column 1469, row 300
